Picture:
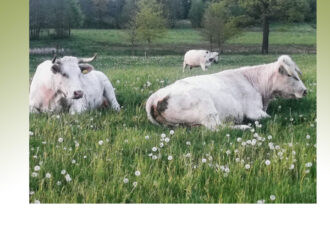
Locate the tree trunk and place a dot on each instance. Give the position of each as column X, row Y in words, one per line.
column 265, row 35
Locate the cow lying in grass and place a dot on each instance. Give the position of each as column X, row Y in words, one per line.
column 202, row 58
column 70, row 84
column 232, row 95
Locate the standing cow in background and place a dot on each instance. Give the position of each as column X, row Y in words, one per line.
column 70, row 84
column 210, row 100
column 202, row 58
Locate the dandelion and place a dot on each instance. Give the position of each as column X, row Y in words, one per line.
column 163, row 135
column 137, row 173
column 73, row 161
column 188, row 143
column 77, row 144
column 291, row 119
column 36, row 168
column 171, row 132
column 228, row 152
column 36, row 202
column 247, row 166
column 161, row 144
column 237, row 160
column 85, row 156
column 272, row 197
column 134, row 184
column 256, row 122
column 290, row 144
column 253, row 142
column 68, row 178
column 293, row 152
column 227, row 170
column 252, row 130
column 227, row 135
column 146, row 137
column 154, row 149
column 154, row 157
column 30, row 133
column 280, row 154
column 125, row 180
column 269, row 137
column 169, row 158
column 243, row 143
column 188, row 155
column 34, row 174
column 31, row 193
column 267, row 162
column 277, row 147
column 308, row 164
column 44, row 142
column 308, row 137
column 203, row 160
column 239, row 139
column 261, row 201
column 60, row 140
column 63, row 171
column 35, row 156
column 307, row 171
column 291, row 166
column 48, row 175
column 58, row 183
column 279, row 107
column 167, row 139
column 100, row 142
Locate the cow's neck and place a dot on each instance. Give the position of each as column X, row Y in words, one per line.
column 262, row 79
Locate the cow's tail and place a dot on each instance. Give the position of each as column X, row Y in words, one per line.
column 155, row 110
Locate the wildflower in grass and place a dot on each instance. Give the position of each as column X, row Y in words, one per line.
column 85, row 156
column 239, row 139
column 171, row 132
column 150, row 154
column 277, row 147
column 248, row 142
column 290, row 144
column 68, row 178
column 30, row 133
column 60, row 140
column 154, row 149
column 100, row 142
column 58, row 183
column 167, row 139
column 36, row 168
column 48, row 175
column 188, row 143
column 267, row 162
column 307, row 171
column 291, row 166
column 269, row 137
column 163, row 135
column 137, row 173
column 34, row 174
column 237, row 160
column 154, row 157
column 308, row 164
column 31, row 193
column 125, row 141
column 203, row 160
column 76, row 144
column 44, row 142
column 247, row 166
column 253, row 142
column 210, row 158
column 228, row 152
column 73, row 161
column 236, row 151
column 279, row 107
column 291, row 119
column 125, row 180
column 227, row 170
column 188, row 155
column 169, row 158
column 252, row 130
column 243, row 143
column 146, row 137
column 161, row 144
column 293, row 152
column 272, row 197
column 308, row 137
column 36, row 202
column 261, row 201
column 280, row 154
column 63, row 171
column 35, row 156
column 256, row 122
column 134, row 184
column 227, row 135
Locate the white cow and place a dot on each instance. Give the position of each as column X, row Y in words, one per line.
column 70, row 84
column 230, row 95
column 202, row 58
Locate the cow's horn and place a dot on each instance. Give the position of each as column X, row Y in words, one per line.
column 85, row 60
column 54, row 59
column 298, row 71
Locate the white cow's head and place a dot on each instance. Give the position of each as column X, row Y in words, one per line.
column 67, row 75
column 213, row 57
column 288, row 83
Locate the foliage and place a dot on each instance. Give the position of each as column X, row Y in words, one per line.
column 196, row 13
column 218, row 24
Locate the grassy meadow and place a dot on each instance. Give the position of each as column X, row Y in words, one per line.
column 105, row 157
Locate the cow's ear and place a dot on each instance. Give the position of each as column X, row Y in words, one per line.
column 85, row 68
column 55, row 68
column 282, row 70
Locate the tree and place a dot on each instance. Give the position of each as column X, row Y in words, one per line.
column 128, row 19
column 266, row 10
column 218, row 24
column 150, row 21
column 38, row 18
column 196, row 13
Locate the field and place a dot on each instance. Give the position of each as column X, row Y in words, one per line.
column 104, row 157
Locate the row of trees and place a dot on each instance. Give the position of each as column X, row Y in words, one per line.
column 146, row 20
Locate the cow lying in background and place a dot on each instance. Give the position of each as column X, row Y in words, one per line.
column 202, row 58
column 230, row 95
column 70, row 84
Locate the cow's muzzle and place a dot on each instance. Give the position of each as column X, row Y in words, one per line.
column 78, row 94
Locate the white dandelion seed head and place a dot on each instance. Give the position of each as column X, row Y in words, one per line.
column 34, row 174
column 63, row 171
column 272, row 197
column 137, row 173
column 100, row 142
column 48, row 175
column 243, row 143
column 247, row 166
column 171, row 132
column 169, row 158
column 60, row 140
column 125, row 180
column 167, row 139
column 188, row 155
column 267, row 162
column 308, row 164
column 308, row 137
column 291, row 166
column 269, row 137
column 228, row 152
column 154, row 149
column 68, row 178
column 277, row 147
column 248, row 142
column 147, row 137
column 203, row 160
column 161, row 144
column 73, row 161
column 239, row 139
column 36, row 202
column 30, row 133
column 188, row 143
column 58, row 183
column 253, row 142
column 134, row 184
column 36, row 168
column 163, row 135
column 154, row 157
column 261, row 201
column 227, row 135
column 227, row 170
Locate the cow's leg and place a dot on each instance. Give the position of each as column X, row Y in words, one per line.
column 203, row 66
column 77, row 107
column 184, row 66
column 256, row 114
column 110, row 95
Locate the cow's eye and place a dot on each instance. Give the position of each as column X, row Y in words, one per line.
column 64, row 75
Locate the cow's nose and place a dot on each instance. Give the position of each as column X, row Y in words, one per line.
column 77, row 94
column 305, row 92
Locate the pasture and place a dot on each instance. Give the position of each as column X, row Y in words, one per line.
column 104, row 157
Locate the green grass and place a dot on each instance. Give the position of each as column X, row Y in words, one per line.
column 175, row 41
column 99, row 170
